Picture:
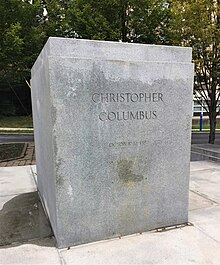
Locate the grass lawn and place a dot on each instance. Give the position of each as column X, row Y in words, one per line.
column 11, row 151
column 16, row 131
column 16, row 122
column 207, row 128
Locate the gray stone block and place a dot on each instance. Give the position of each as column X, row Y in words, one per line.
column 112, row 133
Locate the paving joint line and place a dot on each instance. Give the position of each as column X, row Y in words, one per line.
column 62, row 260
column 205, row 197
column 172, row 227
column 205, row 233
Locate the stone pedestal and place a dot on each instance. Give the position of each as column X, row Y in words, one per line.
column 112, row 133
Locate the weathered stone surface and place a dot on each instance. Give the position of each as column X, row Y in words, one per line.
column 112, row 132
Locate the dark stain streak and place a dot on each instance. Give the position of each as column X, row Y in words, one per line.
column 59, row 178
column 125, row 171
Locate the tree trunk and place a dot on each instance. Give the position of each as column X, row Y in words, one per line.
column 123, row 21
column 212, row 120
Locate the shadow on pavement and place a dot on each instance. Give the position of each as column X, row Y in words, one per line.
column 22, row 218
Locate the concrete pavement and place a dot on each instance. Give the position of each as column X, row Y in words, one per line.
column 203, row 137
column 198, row 243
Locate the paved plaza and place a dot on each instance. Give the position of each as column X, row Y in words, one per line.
column 197, row 243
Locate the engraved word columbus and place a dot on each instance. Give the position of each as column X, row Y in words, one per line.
column 102, row 98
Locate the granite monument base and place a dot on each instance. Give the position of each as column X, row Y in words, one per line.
column 112, row 132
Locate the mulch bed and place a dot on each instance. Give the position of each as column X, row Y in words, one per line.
column 11, row 151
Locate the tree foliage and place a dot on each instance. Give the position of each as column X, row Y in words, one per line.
column 21, row 38
column 196, row 24
column 94, row 19
column 26, row 25
column 131, row 21
column 148, row 21
column 140, row 21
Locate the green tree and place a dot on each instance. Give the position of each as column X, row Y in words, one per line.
column 196, row 24
column 94, row 19
column 26, row 25
column 21, row 38
column 141, row 21
column 54, row 18
column 147, row 21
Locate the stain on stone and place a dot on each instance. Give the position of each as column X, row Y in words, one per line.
column 53, row 114
column 125, row 171
column 59, row 178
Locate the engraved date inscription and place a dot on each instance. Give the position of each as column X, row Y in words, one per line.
column 127, row 143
